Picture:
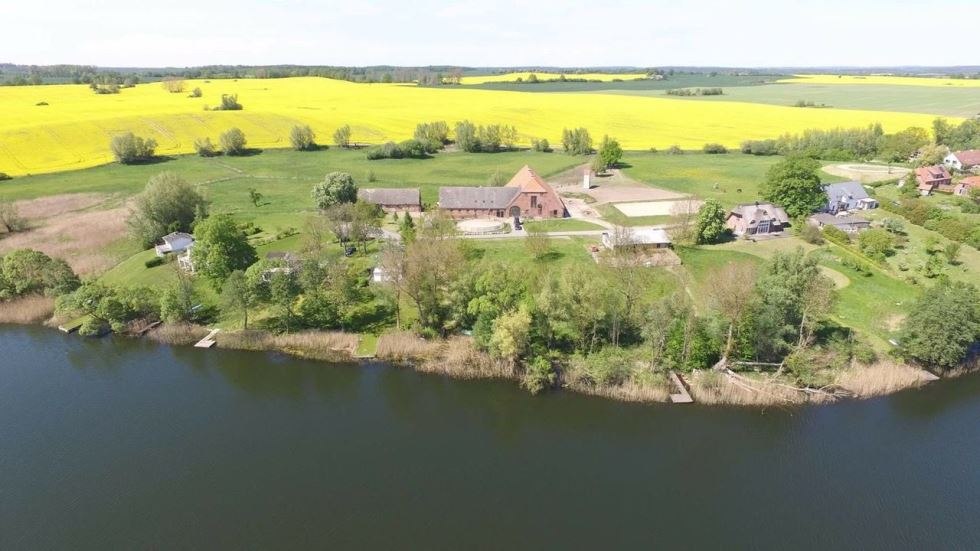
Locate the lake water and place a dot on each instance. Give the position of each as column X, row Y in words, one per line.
column 119, row 444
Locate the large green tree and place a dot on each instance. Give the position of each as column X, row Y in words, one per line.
column 709, row 226
column 336, row 188
column 794, row 184
column 168, row 203
column 942, row 325
column 220, row 249
column 26, row 271
column 610, row 152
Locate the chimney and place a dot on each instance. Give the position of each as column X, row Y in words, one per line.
column 587, row 179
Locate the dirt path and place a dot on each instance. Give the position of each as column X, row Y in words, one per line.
column 866, row 173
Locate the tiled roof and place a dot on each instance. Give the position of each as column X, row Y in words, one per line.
column 479, row 198
column 396, row 196
column 970, row 157
column 529, row 181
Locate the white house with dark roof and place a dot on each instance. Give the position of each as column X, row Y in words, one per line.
column 174, row 243
column 845, row 196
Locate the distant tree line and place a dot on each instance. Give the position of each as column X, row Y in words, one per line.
column 695, row 92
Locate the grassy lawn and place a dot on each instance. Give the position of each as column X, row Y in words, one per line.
column 565, row 252
column 614, row 215
column 285, row 176
column 949, row 101
column 561, row 224
column 733, row 178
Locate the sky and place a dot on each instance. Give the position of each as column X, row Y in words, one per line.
column 571, row 33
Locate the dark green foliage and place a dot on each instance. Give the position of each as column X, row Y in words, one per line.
column 167, row 204
column 154, row 262
column 541, row 145
column 229, row 102
column 26, row 271
column 942, row 325
column 710, row 223
column 204, row 147
column 965, row 135
column 539, row 375
column 610, row 152
column 341, row 136
column 714, row 148
column 131, row 149
column 794, row 184
column 109, row 308
column 220, row 249
column 4, row 176
column 675, row 150
column 484, row 139
column 760, row 147
column 434, row 135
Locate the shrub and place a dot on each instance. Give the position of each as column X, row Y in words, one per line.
column 539, row 375
column 131, row 149
column 341, row 136
column 229, row 102
column 174, row 85
column 810, row 233
column 389, row 150
column 196, row 93
column 204, row 147
column 836, row 235
column 233, row 142
column 675, row 150
column 714, row 148
column 759, row 147
column 541, row 145
column 302, row 138
column 4, row 176
column 576, row 141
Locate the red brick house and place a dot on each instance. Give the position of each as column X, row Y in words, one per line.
column 933, row 178
column 966, row 184
column 526, row 195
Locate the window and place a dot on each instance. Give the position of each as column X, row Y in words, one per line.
column 534, row 201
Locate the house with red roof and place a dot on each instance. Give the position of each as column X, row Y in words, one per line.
column 933, row 178
column 963, row 160
column 526, row 195
column 966, row 184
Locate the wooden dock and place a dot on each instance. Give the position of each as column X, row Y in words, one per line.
column 208, row 341
column 681, row 395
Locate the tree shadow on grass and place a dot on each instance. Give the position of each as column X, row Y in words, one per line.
column 550, row 256
column 155, row 160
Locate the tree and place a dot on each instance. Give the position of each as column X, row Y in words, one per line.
column 229, row 102
column 539, row 375
column 733, row 294
column 302, row 138
column 10, row 218
column 710, row 223
column 537, row 242
column 877, row 243
column 930, row 155
column 431, row 267
column 220, row 248
column 177, row 300
column 610, row 152
column 25, row 271
column 130, row 149
column 238, row 296
column 576, row 141
column 900, row 146
column 407, row 228
column 233, row 142
column 511, row 336
column 942, row 325
column 168, row 204
column 336, row 187
column 940, row 131
column 172, row 84
column 204, row 147
column 794, row 184
column 392, row 265
column 466, row 138
column 341, row 136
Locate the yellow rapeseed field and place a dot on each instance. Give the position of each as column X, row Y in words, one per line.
column 882, row 79
column 511, row 77
column 74, row 128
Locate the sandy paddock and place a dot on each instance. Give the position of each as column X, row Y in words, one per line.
column 866, row 173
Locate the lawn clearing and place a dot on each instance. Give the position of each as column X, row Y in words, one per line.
column 560, row 225
column 658, row 208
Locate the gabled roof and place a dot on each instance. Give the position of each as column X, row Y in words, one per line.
column 479, row 198
column 969, row 157
column 529, row 181
column 831, row 220
column 753, row 213
column 845, row 190
column 397, row 196
column 930, row 173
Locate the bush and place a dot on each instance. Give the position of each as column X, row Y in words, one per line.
column 576, row 141
column 714, row 148
column 204, row 147
column 154, row 262
column 541, row 145
column 229, row 102
column 196, row 93
column 675, row 150
column 836, row 235
column 131, row 149
column 5, row 176
column 539, row 375
column 810, row 233
column 302, row 138
column 233, row 142
column 389, row 150
column 759, row 147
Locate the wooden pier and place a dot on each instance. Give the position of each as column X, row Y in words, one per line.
column 681, row 395
column 208, row 341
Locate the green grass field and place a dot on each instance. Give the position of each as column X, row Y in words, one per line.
column 638, row 86
column 566, row 224
column 953, row 102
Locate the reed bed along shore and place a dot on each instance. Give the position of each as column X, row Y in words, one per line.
column 456, row 356
column 314, row 345
column 32, row 309
column 177, row 334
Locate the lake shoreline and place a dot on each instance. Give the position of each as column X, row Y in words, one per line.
column 458, row 358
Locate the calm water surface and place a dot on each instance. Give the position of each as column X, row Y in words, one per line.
column 125, row 445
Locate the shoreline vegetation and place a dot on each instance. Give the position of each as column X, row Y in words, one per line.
column 457, row 357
